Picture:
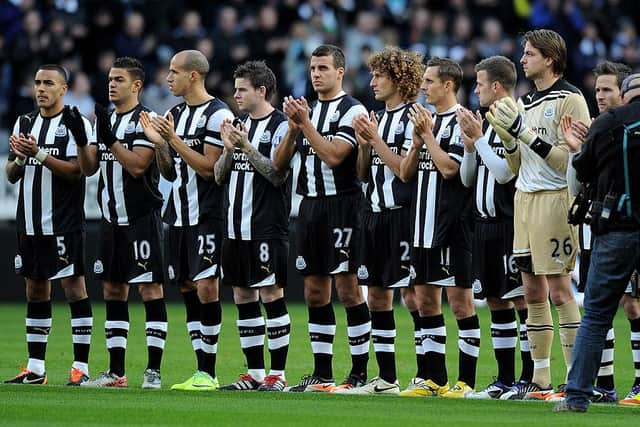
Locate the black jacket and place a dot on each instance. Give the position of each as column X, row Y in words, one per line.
column 601, row 164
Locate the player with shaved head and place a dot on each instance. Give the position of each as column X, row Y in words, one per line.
column 188, row 145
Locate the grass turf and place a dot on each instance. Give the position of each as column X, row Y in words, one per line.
column 58, row 405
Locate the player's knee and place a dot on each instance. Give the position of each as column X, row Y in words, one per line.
column 428, row 305
column 271, row 293
column 496, row 304
column 244, row 295
column 379, row 299
column 74, row 290
column 462, row 307
column 113, row 292
column 519, row 303
column 408, row 297
column 316, row 297
column 350, row 296
column 631, row 307
column 151, row 291
column 188, row 287
column 560, row 294
column 208, row 291
column 38, row 292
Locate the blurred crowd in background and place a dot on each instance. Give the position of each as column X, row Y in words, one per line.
column 86, row 35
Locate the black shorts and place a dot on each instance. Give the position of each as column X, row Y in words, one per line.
column 446, row 265
column 50, row 257
column 254, row 263
column 328, row 235
column 585, row 260
column 131, row 253
column 494, row 269
column 385, row 249
column 193, row 252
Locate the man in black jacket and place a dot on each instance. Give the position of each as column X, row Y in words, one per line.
column 614, row 138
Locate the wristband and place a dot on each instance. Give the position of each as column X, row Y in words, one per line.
column 20, row 161
column 41, row 156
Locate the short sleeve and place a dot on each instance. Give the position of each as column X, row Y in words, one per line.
column 89, row 129
column 16, row 131
column 408, row 136
column 456, row 146
column 212, row 135
column 278, row 135
column 141, row 139
column 16, row 127
column 345, row 126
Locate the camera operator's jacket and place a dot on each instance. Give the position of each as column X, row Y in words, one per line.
column 601, row 163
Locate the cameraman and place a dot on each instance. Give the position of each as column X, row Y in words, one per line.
column 616, row 224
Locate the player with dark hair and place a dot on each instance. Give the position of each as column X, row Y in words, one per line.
column 255, row 250
column 328, row 225
column 441, row 235
column 50, row 221
column 130, row 248
column 485, row 169
column 188, row 145
column 544, row 244
column 609, row 77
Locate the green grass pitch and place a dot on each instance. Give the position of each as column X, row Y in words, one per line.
column 55, row 404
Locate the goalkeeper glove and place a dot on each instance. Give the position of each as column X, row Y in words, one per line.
column 103, row 126
column 73, row 121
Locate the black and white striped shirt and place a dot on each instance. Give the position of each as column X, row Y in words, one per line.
column 49, row 204
column 384, row 189
column 332, row 119
column 122, row 197
column 492, row 200
column 192, row 198
column 257, row 209
column 438, row 203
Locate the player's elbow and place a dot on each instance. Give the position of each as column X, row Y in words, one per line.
column 220, row 178
column 72, row 175
column 12, row 177
column 207, row 175
column 279, row 164
column 168, row 175
column 448, row 173
column 504, row 179
column 406, row 176
column 89, row 170
column 333, row 161
column 137, row 172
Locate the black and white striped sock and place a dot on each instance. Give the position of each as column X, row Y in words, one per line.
column 383, row 334
column 116, row 329
column 504, row 337
column 211, row 318
column 278, row 333
column 635, row 348
column 434, row 340
column 81, row 329
column 192, row 307
column 525, row 352
column 469, row 346
column 38, row 323
column 417, row 339
column 251, row 329
column 359, row 332
column 322, row 331
column 156, row 331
